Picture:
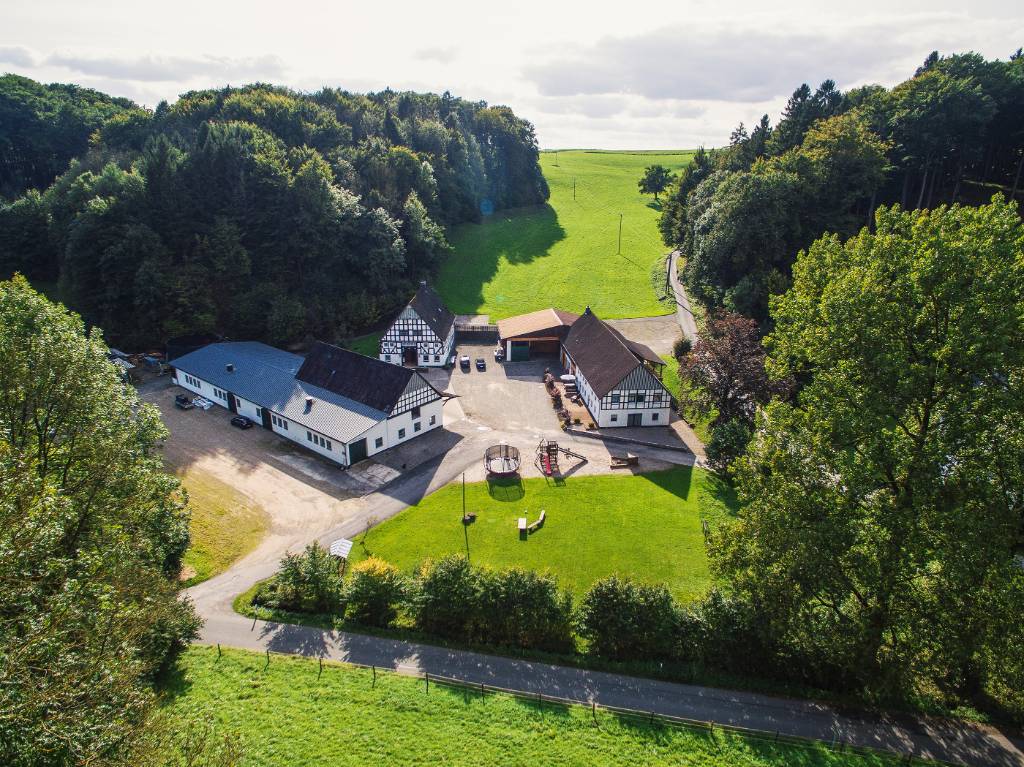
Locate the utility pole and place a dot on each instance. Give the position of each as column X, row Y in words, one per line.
column 556, row 159
column 619, row 251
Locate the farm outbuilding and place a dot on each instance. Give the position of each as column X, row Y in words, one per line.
column 535, row 334
column 339, row 404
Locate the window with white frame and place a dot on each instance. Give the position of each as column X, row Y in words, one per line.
column 401, row 433
column 654, row 416
column 614, row 418
column 416, row 412
column 433, row 420
column 379, row 442
column 281, row 423
column 417, row 426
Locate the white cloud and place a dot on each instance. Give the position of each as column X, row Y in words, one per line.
column 442, row 55
column 729, row 63
column 148, row 68
column 18, row 55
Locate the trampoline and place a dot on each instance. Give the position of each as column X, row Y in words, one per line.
column 501, row 460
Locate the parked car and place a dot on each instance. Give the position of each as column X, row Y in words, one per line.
column 499, row 354
column 481, row 364
column 464, row 363
column 182, row 401
column 241, row 422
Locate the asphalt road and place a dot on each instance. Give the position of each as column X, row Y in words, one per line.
column 683, row 313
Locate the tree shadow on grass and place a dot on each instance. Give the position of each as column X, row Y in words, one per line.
column 519, row 236
column 172, row 682
column 678, row 481
column 506, row 488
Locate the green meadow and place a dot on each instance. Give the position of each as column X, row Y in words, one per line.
column 289, row 712
column 566, row 253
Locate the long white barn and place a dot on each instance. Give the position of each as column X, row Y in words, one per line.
column 619, row 380
column 342, row 405
column 423, row 335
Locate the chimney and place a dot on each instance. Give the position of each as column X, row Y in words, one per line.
column 309, row 404
column 230, row 367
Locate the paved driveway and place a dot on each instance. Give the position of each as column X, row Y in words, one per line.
column 506, row 396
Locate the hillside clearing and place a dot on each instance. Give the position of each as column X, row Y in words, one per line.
column 564, row 253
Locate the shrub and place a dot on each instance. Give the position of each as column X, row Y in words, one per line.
column 681, row 347
column 446, row 598
column 306, row 583
column 623, row 620
column 374, row 592
column 728, row 442
column 521, row 608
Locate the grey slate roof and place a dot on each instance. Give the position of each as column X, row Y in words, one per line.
column 266, row 376
column 431, row 309
column 603, row 354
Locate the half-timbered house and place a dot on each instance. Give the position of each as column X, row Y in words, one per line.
column 423, row 334
column 618, row 380
column 342, row 405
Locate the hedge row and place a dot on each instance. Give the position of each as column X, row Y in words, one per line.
column 617, row 618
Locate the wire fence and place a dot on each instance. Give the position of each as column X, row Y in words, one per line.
column 651, row 718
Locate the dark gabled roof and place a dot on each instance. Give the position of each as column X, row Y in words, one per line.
column 431, row 309
column 377, row 384
column 602, row 354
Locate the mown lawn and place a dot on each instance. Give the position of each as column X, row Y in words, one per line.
column 564, row 254
column 645, row 526
column 288, row 713
column 225, row 525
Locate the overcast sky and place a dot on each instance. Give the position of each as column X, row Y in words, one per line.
column 640, row 75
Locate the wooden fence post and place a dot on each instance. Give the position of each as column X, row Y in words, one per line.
column 426, row 676
column 374, row 685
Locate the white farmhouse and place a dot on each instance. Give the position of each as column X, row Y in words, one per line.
column 619, row 380
column 423, row 335
column 342, row 405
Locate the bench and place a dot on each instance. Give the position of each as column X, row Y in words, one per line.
column 538, row 524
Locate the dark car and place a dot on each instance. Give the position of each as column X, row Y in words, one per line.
column 241, row 422
column 481, row 364
column 464, row 363
column 183, row 402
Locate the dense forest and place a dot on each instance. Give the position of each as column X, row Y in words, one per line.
column 954, row 132
column 253, row 212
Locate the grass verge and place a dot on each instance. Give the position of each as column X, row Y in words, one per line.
column 225, row 525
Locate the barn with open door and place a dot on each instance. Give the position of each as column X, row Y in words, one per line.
column 537, row 334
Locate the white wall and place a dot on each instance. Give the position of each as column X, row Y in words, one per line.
column 406, row 421
column 250, row 410
column 664, row 417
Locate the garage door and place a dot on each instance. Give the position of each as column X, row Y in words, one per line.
column 520, row 351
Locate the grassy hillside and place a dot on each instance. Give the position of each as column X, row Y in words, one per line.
column 563, row 254
column 647, row 527
column 287, row 713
